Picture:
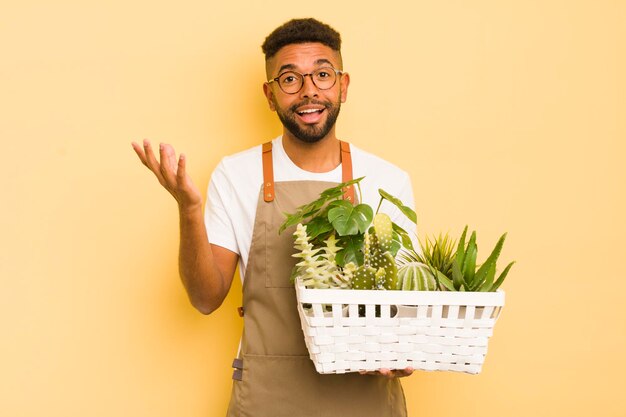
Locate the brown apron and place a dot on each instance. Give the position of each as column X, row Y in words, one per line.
column 274, row 376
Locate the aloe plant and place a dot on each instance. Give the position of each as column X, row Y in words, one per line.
column 437, row 252
column 466, row 276
column 451, row 270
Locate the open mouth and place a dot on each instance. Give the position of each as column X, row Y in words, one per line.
column 312, row 115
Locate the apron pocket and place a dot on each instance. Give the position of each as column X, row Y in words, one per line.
column 278, row 260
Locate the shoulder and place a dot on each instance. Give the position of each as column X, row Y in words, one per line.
column 369, row 165
column 241, row 159
column 241, row 166
column 378, row 174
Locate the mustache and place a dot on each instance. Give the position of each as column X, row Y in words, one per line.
column 310, row 102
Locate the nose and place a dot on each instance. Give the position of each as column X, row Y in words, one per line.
column 309, row 89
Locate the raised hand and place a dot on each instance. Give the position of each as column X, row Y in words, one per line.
column 171, row 173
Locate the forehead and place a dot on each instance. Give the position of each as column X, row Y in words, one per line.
column 302, row 57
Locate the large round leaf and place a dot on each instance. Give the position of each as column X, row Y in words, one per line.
column 348, row 219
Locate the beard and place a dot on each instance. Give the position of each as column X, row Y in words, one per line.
column 309, row 133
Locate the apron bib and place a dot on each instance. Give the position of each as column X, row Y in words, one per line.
column 274, row 376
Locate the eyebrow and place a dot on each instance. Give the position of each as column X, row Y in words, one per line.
column 292, row 67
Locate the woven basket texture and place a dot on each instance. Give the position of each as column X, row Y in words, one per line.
column 355, row 330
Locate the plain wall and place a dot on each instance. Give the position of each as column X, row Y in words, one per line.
column 508, row 115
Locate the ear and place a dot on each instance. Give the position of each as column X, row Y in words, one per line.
column 344, row 82
column 269, row 95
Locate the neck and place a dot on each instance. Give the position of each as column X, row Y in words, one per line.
column 321, row 156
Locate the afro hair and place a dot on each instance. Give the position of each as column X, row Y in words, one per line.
column 301, row 31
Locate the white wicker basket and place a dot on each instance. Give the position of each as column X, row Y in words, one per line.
column 370, row 330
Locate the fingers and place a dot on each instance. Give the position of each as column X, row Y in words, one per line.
column 400, row 373
column 396, row 373
column 181, row 172
column 151, row 161
column 388, row 373
column 171, row 173
column 139, row 151
column 168, row 164
column 166, row 170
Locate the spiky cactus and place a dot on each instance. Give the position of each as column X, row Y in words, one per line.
column 384, row 231
column 381, row 255
column 348, row 275
column 364, row 278
column 379, row 267
column 317, row 267
column 338, row 278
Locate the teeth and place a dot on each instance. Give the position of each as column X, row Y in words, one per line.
column 310, row 111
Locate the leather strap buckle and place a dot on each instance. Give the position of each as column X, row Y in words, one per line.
column 268, row 173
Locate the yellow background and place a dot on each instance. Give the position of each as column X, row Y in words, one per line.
column 509, row 116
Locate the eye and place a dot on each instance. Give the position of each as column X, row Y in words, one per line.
column 322, row 74
column 288, row 78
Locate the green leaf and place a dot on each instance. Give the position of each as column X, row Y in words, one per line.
column 407, row 211
column 457, row 275
column 301, row 215
column 291, row 220
column 337, row 191
column 318, row 226
column 460, row 253
column 502, row 277
column 491, row 273
column 351, row 250
column 406, row 239
column 481, row 274
column 396, row 244
column 469, row 263
column 313, row 208
column 444, row 280
column 348, row 219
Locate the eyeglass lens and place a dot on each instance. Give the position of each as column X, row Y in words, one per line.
column 291, row 82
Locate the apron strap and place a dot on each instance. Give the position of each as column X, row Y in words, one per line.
column 268, row 172
column 346, row 171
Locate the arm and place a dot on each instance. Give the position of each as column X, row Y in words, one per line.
column 206, row 270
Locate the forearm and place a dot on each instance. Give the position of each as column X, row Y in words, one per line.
column 206, row 271
column 199, row 270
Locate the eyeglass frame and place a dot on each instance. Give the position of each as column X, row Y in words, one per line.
column 336, row 71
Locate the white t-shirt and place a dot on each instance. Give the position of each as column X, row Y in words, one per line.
column 235, row 185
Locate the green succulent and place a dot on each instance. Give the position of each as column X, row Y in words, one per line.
column 317, row 267
column 465, row 274
column 341, row 245
column 416, row 276
column 437, row 252
column 453, row 270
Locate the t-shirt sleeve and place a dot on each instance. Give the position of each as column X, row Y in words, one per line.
column 219, row 223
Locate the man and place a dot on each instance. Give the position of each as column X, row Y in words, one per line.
column 247, row 196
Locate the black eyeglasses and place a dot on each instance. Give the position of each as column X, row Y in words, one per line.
column 291, row 81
